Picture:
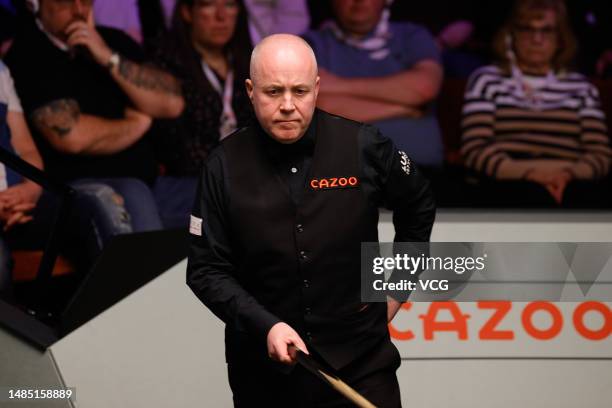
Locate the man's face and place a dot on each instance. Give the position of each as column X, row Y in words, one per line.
column 358, row 16
column 284, row 93
column 57, row 15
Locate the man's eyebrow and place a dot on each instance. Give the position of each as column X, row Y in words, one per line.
column 281, row 86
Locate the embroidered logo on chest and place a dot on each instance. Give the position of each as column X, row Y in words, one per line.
column 333, row 182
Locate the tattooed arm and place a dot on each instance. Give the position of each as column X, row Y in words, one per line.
column 68, row 130
column 152, row 90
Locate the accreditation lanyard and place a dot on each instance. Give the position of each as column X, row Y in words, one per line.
column 531, row 97
column 228, row 118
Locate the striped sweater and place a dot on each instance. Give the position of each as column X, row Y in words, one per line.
column 504, row 136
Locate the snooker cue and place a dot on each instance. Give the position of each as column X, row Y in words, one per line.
column 336, row 383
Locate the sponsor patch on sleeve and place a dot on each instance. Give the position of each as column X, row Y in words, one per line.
column 405, row 162
column 195, row 226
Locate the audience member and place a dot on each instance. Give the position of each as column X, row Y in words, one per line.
column 532, row 129
column 382, row 72
column 18, row 196
column 89, row 100
column 208, row 49
column 267, row 17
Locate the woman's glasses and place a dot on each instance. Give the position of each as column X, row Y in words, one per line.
column 523, row 31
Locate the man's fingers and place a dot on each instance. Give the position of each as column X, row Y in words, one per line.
column 14, row 219
column 25, row 219
column 75, row 27
column 23, row 207
column 22, row 220
column 282, row 340
column 77, row 38
column 7, row 204
column 282, row 353
column 299, row 343
column 296, row 344
column 292, row 352
column 279, row 352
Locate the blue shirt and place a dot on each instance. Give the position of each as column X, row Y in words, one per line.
column 409, row 44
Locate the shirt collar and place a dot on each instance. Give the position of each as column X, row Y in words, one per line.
column 54, row 40
column 303, row 147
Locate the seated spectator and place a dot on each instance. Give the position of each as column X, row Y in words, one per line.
column 208, row 49
column 532, row 130
column 18, row 196
column 89, row 101
column 382, row 72
column 267, row 17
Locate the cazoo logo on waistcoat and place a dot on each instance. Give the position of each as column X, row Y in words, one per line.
column 333, row 182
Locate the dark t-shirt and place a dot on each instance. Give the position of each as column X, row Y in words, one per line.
column 43, row 73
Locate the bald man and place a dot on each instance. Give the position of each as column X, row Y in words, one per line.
column 283, row 208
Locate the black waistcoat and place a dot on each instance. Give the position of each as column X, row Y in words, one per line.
column 302, row 261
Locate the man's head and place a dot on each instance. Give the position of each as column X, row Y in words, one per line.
column 283, row 86
column 57, row 15
column 358, row 17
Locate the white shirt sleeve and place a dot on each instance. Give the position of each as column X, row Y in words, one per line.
column 7, row 90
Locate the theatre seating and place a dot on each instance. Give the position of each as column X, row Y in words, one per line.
column 26, row 265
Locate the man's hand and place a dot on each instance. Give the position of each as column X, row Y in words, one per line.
column 84, row 33
column 16, row 202
column 555, row 181
column 280, row 336
column 17, row 214
column 26, row 192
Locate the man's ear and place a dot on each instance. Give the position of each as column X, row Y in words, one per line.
column 249, row 88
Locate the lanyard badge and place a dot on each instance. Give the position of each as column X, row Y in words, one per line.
column 228, row 120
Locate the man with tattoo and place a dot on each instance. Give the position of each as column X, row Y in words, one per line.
column 90, row 100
